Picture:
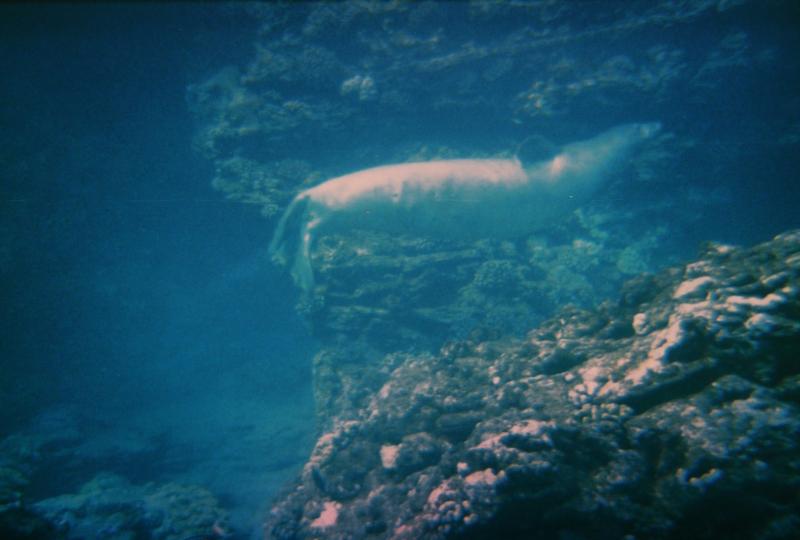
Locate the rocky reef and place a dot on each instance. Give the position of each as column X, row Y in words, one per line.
column 110, row 507
column 670, row 413
column 44, row 494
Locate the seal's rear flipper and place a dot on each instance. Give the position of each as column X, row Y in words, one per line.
column 302, row 272
column 294, row 231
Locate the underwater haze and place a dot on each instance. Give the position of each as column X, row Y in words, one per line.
column 165, row 374
column 145, row 333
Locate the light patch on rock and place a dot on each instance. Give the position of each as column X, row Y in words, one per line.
column 389, row 454
column 530, row 427
column 592, row 377
column 776, row 280
column 610, row 387
column 437, row 492
column 761, row 323
column 698, row 268
column 491, row 441
column 401, row 530
column 639, row 322
column 702, row 309
column 654, row 363
column 484, row 477
column 693, row 287
column 702, row 482
column 723, row 248
column 738, row 303
column 422, row 388
column 328, row 516
column 325, row 445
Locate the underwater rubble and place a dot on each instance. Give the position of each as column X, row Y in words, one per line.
column 670, row 413
column 108, row 506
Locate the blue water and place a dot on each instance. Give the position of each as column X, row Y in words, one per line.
column 139, row 309
column 144, row 329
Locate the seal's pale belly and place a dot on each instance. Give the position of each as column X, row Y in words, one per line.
column 411, row 183
column 458, row 208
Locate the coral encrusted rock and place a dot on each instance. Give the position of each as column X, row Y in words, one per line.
column 672, row 413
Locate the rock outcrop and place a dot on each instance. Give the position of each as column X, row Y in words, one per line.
column 109, row 506
column 42, row 495
column 672, row 413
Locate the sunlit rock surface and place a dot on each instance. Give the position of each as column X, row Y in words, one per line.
column 672, row 413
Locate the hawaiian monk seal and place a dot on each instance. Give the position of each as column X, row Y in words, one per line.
column 453, row 199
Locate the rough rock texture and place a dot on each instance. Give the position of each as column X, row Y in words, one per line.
column 41, row 496
column 672, row 413
column 378, row 295
column 109, row 507
column 385, row 290
column 17, row 520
